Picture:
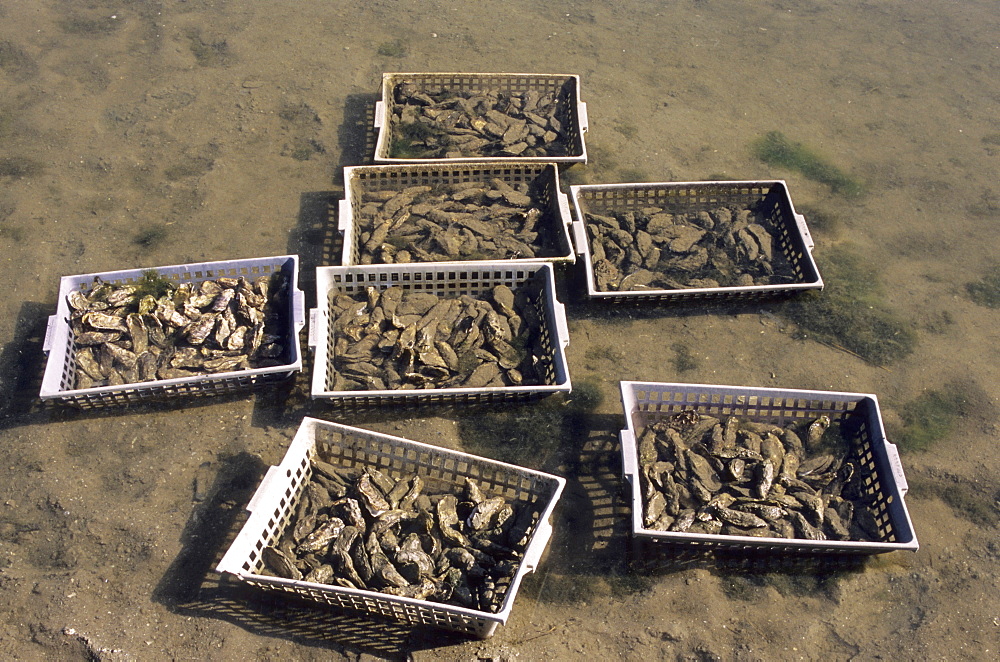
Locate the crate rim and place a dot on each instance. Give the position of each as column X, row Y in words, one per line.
column 673, row 184
column 388, row 75
column 190, row 266
column 770, row 390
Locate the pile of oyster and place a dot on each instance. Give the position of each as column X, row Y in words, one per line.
column 746, row 478
column 728, row 246
column 123, row 336
column 368, row 531
column 400, row 338
column 490, row 220
column 435, row 122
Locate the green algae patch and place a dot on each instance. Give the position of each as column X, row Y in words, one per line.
column 392, row 49
column 209, row 53
column 630, row 131
column 150, row 237
column 850, row 312
column 986, row 291
column 970, row 500
column 931, row 417
column 776, row 150
column 19, row 166
column 151, row 284
column 683, row 360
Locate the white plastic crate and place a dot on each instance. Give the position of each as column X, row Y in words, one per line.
column 566, row 86
column 876, row 460
column 60, row 369
column 543, row 177
column 274, row 503
column 441, row 279
column 792, row 235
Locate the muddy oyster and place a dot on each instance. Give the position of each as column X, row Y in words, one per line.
column 124, row 335
column 474, row 220
column 741, row 477
column 458, row 546
column 400, row 338
column 432, row 122
column 651, row 249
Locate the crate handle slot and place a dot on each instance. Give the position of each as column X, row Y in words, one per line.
column 562, row 325
column 312, row 328
column 581, row 111
column 343, row 214
column 379, row 114
column 800, row 221
column 579, row 237
column 563, row 201
column 897, row 467
column 629, row 468
column 299, row 309
column 50, row 329
column 265, row 487
column 533, row 554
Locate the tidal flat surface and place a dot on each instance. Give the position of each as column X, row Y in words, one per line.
column 142, row 134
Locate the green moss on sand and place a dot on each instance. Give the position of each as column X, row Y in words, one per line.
column 777, row 150
column 850, row 312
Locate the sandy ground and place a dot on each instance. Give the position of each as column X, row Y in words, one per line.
column 138, row 134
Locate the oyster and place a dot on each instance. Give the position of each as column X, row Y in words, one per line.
column 438, row 121
column 494, row 221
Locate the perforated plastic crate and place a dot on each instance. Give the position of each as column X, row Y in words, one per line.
column 274, row 504
column 789, row 231
column 565, row 86
column 876, row 460
column 60, row 369
column 543, row 178
column 445, row 279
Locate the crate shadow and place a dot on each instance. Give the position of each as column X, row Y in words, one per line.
column 587, row 554
column 744, row 575
column 191, row 587
column 22, row 363
column 357, row 134
column 594, row 519
column 316, row 238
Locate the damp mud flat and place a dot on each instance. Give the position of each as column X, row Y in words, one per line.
column 167, row 134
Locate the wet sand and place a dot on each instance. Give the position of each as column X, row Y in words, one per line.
column 146, row 134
